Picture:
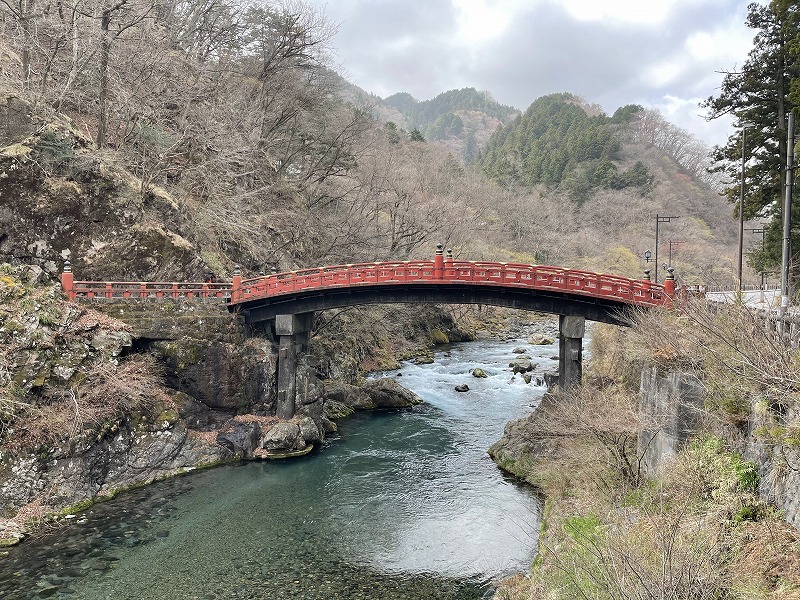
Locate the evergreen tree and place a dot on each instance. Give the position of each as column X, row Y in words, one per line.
column 758, row 96
column 558, row 145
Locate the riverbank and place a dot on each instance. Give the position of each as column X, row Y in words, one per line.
column 704, row 525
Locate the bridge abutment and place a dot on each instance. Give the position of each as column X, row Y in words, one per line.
column 293, row 332
column 571, row 330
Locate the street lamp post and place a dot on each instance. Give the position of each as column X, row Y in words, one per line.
column 660, row 219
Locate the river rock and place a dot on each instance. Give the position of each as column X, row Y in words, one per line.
column 387, row 393
column 240, row 438
column 309, row 430
column 521, row 365
column 462, row 387
column 540, row 340
column 339, row 394
column 282, row 436
column 519, row 350
column 479, row 373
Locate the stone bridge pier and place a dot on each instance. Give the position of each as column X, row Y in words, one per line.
column 293, row 333
column 571, row 330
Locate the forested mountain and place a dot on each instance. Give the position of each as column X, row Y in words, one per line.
column 462, row 119
column 557, row 144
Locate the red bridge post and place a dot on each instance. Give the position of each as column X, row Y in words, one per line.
column 669, row 283
column 68, row 280
column 236, row 287
column 438, row 263
column 448, row 265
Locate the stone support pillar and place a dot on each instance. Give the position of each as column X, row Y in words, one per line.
column 570, row 350
column 293, row 332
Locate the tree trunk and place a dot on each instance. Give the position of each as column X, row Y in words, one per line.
column 105, row 52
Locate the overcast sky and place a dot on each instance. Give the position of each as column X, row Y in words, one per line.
column 665, row 54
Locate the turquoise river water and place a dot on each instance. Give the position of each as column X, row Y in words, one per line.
column 396, row 505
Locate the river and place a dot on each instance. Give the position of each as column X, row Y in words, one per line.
column 396, row 505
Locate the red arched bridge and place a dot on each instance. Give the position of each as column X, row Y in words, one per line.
column 291, row 298
column 595, row 296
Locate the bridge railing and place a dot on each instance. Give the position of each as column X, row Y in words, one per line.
column 438, row 272
column 587, row 283
column 116, row 290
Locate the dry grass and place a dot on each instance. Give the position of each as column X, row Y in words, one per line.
column 106, row 394
column 700, row 531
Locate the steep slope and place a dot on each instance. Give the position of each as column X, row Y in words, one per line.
column 585, row 189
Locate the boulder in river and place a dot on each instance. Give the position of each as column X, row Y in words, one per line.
column 387, row 393
column 341, row 398
column 521, row 365
column 282, row 436
column 463, row 387
column 479, row 373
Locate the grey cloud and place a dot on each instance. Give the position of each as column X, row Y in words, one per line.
column 388, row 46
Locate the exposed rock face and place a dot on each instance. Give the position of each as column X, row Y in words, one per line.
column 205, row 352
column 59, row 200
column 128, row 455
column 15, row 120
column 522, row 445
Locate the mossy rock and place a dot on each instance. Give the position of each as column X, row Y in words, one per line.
column 439, row 337
column 12, row 541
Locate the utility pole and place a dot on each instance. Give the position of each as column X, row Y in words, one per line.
column 660, row 219
column 671, row 244
column 745, row 125
column 762, row 231
column 787, row 217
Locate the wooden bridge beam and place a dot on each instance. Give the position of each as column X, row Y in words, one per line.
column 293, row 332
column 571, row 330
